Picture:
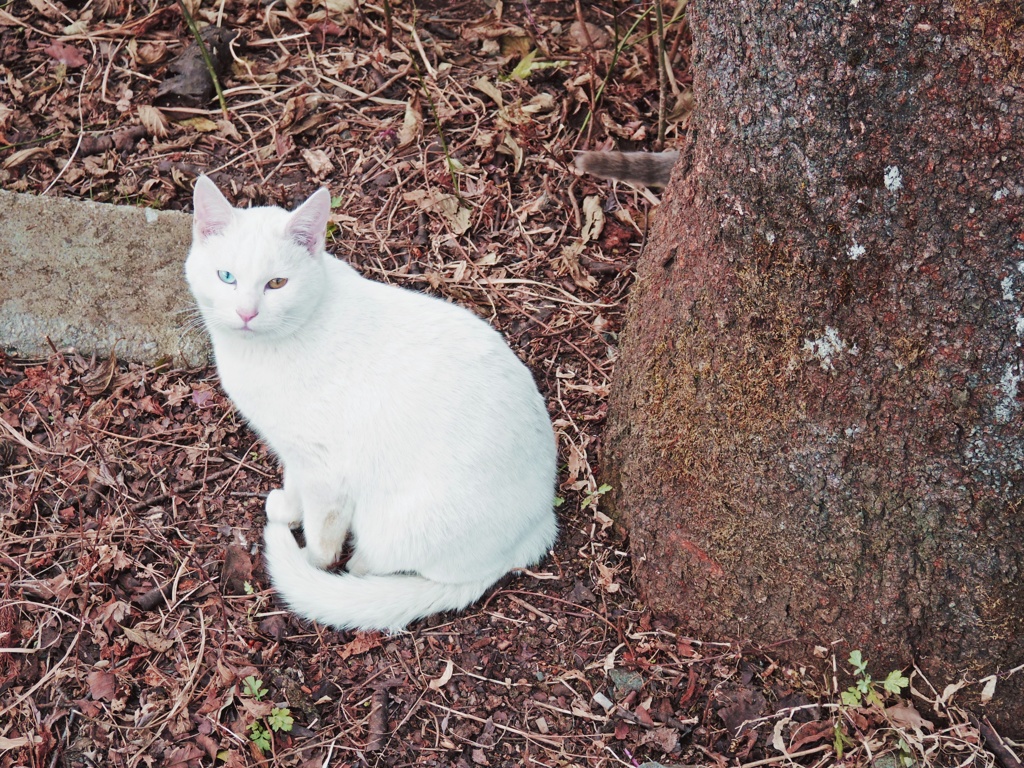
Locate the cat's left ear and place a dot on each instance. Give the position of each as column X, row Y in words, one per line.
column 307, row 225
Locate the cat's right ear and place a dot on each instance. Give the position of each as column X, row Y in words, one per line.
column 212, row 213
column 307, row 224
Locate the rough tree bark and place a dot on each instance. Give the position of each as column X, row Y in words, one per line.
column 815, row 429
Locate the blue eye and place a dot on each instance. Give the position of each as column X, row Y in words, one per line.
column 226, row 277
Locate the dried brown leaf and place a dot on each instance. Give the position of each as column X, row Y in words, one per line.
column 66, row 54
column 102, row 685
column 186, row 756
column 593, row 219
column 256, row 709
column 606, row 580
column 192, row 85
column 517, row 152
column 237, row 570
column 149, row 54
column 360, row 644
column 23, row 156
column 588, row 36
column 148, row 639
column 339, row 7
column 742, row 704
column 905, row 715
column 201, row 124
column 45, row 9
column 412, row 123
column 96, row 382
column 17, row 743
column 318, row 161
column 457, row 216
column 440, row 682
column 153, row 120
column 810, row 733
column 485, row 86
column 989, row 689
column 491, row 29
column 665, row 739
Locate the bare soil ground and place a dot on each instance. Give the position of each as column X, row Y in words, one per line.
column 137, row 626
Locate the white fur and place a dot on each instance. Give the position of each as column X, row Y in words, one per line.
column 400, row 419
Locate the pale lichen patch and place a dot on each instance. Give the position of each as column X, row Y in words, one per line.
column 893, row 178
column 1007, row 285
column 828, row 346
column 1009, row 385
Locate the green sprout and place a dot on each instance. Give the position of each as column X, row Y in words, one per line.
column 867, row 691
column 253, row 687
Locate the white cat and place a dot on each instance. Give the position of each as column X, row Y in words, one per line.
column 399, row 418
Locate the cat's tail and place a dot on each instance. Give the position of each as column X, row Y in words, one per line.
column 652, row 169
column 347, row 601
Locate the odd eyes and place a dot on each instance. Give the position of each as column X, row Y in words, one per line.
column 274, row 284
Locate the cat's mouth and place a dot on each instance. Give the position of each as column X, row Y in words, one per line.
column 244, row 328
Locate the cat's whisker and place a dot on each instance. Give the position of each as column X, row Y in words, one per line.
column 190, row 329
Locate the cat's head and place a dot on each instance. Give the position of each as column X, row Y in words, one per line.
column 257, row 272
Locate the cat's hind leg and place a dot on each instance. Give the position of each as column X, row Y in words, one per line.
column 327, row 514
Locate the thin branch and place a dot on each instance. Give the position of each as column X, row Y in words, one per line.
column 207, row 59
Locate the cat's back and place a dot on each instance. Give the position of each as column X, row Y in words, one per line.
column 420, row 326
column 378, row 352
column 413, row 353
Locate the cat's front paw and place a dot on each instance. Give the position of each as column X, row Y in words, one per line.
column 281, row 510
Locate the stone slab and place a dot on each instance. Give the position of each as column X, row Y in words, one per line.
column 96, row 277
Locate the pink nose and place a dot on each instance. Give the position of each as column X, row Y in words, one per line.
column 247, row 314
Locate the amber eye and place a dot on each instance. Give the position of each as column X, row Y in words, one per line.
column 277, row 282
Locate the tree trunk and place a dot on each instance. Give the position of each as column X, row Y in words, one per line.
column 815, row 430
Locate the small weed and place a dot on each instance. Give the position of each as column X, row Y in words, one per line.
column 260, row 736
column 840, row 741
column 866, row 691
column 594, row 496
column 528, row 65
column 253, row 687
column 281, row 719
column 261, row 733
column 906, row 755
